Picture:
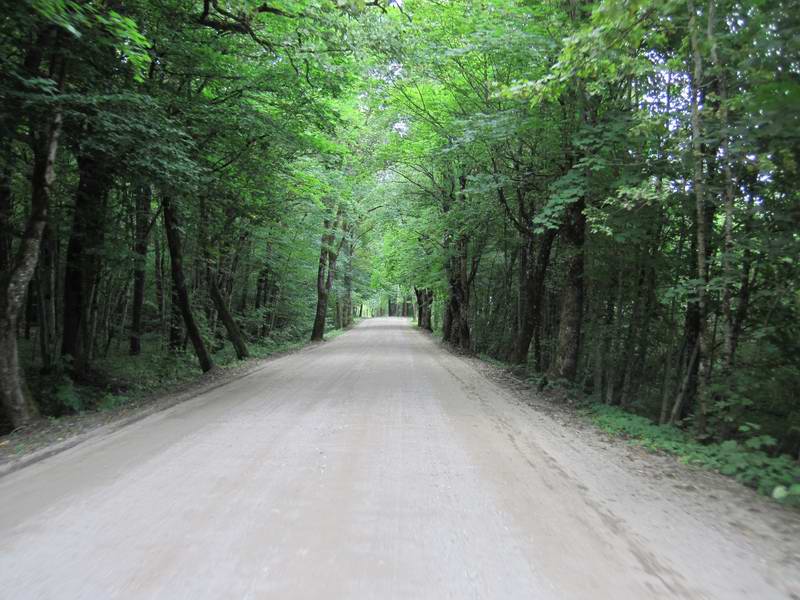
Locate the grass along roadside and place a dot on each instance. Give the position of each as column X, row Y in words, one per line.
column 747, row 460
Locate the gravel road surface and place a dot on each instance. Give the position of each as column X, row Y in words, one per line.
column 380, row 466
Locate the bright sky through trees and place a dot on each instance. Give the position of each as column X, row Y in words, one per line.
column 602, row 193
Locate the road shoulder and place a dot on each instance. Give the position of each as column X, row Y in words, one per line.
column 48, row 437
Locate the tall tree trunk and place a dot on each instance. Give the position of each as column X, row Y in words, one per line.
column 6, row 233
column 729, row 270
column 456, row 321
column 318, row 329
column 532, row 290
column 142, row 229
column 569, row 330
column 46, row 277
column 82, row 263
column 424, row 305
column 181, row 294
column 328, row 256
column 699, row 185
column 14, row 280
column 175, row 341
column 616, row 322
column 631, row 336
column 347, row 297
column 634, row 374
column 158, row 271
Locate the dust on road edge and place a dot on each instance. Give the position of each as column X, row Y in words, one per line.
column 206, row 382
column 566, row 413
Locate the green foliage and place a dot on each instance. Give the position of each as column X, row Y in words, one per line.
column 66, row 395
column 746, row 461
column 439, row 146
column 111, row 401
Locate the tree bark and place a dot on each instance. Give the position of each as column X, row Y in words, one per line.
column 14, row 280
column 175, row 341
column 142, row 229
column 82, row 262
column 456, row 328
column 699, row 185
column 234, row 333
column 424, row 305
column 532, row 290
column 181, row 294
column 347, row 303
column 569, row 330
column 6, row 232
column 729, row 337
column 46, row 280
column 318, row 329
column 328, row 256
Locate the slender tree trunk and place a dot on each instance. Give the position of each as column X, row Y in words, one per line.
column 326, row 272
column 47, row 307
column 729, row 344
column 318, row 329
column 347, row 299
column 699, row 185
column 635, row 374
column 245, row 296
column 6, row 233
column 532, row 290
column 172, row 229
column 632, row 335
column 666, row 388
column 120, row 307
column 615, row 321
column 143, row 200
column 685, row 388
column 234, row 333
column 175, row 319
column 158, row 271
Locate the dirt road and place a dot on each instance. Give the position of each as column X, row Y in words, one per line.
column 379, row 466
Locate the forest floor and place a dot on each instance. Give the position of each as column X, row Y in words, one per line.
column 380, row 465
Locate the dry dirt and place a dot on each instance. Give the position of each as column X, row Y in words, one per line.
column 380, row 466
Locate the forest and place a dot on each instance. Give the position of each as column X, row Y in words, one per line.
column 598, row 193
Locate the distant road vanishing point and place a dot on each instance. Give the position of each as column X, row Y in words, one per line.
column 375, row 466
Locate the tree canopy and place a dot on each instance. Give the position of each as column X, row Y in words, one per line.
column 600, row 192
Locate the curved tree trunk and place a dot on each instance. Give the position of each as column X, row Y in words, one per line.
column 234, row 333
column 14, row 279
column 181, row 294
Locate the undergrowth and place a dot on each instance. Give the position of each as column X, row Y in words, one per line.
column 127, row 380
column 746, row 461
